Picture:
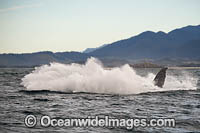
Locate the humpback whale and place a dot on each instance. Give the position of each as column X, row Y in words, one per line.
column 159, row 80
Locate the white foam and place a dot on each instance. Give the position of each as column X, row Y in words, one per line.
column 93, row 77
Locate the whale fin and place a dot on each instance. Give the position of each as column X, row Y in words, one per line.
column 159, row 80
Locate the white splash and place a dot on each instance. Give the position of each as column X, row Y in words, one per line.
column 94, row 78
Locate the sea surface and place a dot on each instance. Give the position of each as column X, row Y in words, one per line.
column 16, row 102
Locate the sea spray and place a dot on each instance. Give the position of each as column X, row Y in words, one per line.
column 94, row 78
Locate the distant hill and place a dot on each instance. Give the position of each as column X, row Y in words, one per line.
column 39, row 58
column 179, row 43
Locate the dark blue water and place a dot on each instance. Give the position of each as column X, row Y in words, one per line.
column 16, row 103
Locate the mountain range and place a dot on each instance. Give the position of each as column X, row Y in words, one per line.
column 175, row 47
column 179, row 43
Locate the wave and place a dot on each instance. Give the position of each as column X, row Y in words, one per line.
column 93, row 77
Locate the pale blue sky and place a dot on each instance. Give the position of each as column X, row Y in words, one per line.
column 73, row 25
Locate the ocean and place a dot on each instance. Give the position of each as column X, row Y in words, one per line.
column 78, row 91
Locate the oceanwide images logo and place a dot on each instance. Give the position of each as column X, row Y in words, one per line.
column 97, row 121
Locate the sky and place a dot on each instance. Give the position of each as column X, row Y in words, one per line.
column 74, row 25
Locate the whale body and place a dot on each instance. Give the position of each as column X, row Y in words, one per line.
column 159, row 80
